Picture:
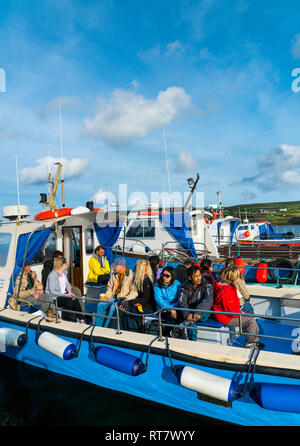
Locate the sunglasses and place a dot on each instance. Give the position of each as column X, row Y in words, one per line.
column 166, row 275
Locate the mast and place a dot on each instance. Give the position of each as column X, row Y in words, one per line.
column 50, row 201
column 61, row 155
column 193, row 185
column 167, row 165
column 18, row 189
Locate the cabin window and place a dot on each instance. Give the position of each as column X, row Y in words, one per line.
column 89, row 241
column 46, row 252
column 5, row 239
column 141, row 229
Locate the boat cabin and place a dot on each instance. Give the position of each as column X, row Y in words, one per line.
column 259, row 231
column 76, row 235
column 146, row 232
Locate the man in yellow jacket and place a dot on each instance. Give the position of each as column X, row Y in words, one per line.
column 99, row 269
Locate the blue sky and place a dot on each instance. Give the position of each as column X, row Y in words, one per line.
column 215, row 76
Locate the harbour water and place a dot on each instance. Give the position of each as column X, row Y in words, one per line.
column 30, row 396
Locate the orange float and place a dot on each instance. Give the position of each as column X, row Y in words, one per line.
column 55, row 213
column 262, row 272
column 240, row 264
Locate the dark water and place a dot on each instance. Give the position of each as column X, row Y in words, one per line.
column 34, row 397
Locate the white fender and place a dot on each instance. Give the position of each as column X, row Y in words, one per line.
column 56, row 345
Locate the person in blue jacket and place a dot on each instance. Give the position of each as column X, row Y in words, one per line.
column 166, row 294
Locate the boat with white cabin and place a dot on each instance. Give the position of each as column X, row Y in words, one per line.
column 216, row 376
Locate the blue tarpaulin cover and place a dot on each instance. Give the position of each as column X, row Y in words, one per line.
column 36, row 242
column 178, row 224
column 107, row 236
column 233, row 226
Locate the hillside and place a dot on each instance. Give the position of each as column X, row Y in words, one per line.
column 287, row 212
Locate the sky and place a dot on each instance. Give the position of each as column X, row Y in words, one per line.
column 151, row 93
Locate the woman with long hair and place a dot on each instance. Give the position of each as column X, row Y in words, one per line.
column 243, row 293
column 226, row 300
column 144, row 302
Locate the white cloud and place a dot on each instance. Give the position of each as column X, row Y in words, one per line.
column 186, row 162
column 295, row 49
column 277, row 170
column 39, row 174
column 127, row 115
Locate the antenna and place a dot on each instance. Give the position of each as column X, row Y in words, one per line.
column 167, row 164
column 62, row 157
column 18, row 189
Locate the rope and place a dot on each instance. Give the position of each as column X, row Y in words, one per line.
column 169, row 355
column 80, row 340
column 148, row 352
column 251, row 369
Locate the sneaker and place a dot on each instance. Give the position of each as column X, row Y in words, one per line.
column 179, row 333
column 50, row 317
column 12, row 303
column 258, row 345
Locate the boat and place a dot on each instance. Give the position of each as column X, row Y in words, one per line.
column 262, row 232
column 216, row 376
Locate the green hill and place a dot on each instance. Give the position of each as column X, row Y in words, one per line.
column 286, row 212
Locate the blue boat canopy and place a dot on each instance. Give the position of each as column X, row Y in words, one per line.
column 178, row 224
column 32, row 242
column 233, row 225
column 107, row 235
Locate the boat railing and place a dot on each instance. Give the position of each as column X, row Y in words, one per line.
column 185, row 253
column 159, row 316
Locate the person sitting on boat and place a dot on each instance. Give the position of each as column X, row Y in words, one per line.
column 48, row 266
column 182, row 270
column 120, row 286
column 99, row 269
column 143, row 303
column 196, row 294
column 28, row 290
column 206, row 267
column 156, row 267
column 243, row 293
column 166, row 294
column 60, row 288
column 226, row 300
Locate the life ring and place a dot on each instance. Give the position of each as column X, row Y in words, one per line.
column 55, row 213
column 288, row 267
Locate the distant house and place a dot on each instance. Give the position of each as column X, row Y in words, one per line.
column 283, row 210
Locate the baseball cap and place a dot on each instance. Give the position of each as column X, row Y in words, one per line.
column 118, row 261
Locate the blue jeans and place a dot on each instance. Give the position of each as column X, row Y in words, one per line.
column 247, row 308
column 192, row 334
column 105, row 308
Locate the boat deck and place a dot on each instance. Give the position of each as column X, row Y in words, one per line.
column 222, row 356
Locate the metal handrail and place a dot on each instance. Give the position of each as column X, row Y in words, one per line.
column 159, row 314
column 206, row 251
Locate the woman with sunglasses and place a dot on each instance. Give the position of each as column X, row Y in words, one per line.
column 166, row 293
